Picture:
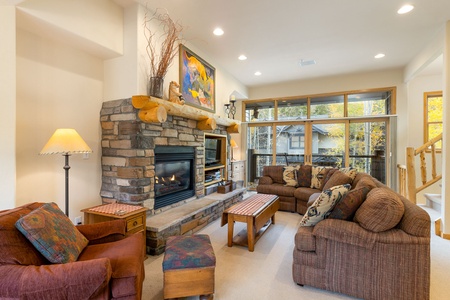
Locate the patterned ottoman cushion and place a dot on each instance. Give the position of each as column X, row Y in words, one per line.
column 188, row 252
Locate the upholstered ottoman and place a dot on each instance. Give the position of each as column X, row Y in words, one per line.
column 189, row 264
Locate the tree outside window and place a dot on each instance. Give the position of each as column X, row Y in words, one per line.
column 433, row 116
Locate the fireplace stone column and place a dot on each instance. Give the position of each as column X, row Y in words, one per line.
column 128, row 160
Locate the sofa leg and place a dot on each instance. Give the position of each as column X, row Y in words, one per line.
column 299, row 284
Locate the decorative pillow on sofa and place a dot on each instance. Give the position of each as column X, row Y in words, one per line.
column 351, row 172
column 320, row 209
column 338, row 178
column 349, row 204
column 304, row 176
column 381, row 211
column 290, row 175
column 52, row 233
column 318, row 174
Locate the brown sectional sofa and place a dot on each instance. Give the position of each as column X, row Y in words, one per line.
column 111, row 266
column 380, row 250
column 294, row 199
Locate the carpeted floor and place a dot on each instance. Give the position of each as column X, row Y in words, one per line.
column 266, row 273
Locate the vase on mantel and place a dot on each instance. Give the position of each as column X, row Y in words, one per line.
column 155, row 87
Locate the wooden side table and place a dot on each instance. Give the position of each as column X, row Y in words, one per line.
column 134, row 216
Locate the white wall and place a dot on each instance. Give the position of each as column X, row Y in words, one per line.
column 8, row 107
column 127, row 75
column 416, row 88
column 57, row 87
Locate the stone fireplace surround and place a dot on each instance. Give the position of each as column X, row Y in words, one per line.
column 128, row 171
column 128, row 163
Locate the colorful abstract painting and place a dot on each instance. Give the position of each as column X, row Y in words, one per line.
column 197, row 80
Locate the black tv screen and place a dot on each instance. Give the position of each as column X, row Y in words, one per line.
column 212, row 151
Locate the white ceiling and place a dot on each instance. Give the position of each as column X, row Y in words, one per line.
column 342, row 36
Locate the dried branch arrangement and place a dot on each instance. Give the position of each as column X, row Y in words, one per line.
column 170, row 37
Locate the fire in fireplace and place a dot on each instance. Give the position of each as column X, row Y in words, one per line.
column 174, row 174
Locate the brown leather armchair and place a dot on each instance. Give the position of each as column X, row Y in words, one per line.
column 110, row 267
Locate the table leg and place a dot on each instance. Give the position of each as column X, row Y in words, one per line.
column 251, row 234
column 230, row 229
column 273, row 218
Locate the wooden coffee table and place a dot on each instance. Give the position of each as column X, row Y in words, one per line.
column 258, row 211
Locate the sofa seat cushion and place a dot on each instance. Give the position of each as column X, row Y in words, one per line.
column 276, row 189
column 15, row 249
column 52, row 233
column 304, row 239
column 303, row 193
column 382, row 210
column 126, row 258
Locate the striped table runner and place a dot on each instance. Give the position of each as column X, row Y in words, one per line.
column 252, row 205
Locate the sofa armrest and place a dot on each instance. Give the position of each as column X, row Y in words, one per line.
column 346, row 232
column 76, row 280
column 265, row 180
column 104, row 232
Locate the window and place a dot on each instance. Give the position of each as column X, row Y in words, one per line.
column 297, row 142
column 433, row 116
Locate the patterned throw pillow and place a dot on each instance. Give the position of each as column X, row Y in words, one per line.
column 318, row 174
column 351, row 172
column 320, row 209
column 349, row 204
column 290, row 175
column 52, row 233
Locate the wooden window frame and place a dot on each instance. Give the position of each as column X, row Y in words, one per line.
column 426, row 96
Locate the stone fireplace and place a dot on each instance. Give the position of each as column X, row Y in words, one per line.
column 156, row 165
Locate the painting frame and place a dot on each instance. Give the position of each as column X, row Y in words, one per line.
column 197, row 80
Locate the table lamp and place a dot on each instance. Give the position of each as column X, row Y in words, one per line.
column 66, row 141
column 233, row 145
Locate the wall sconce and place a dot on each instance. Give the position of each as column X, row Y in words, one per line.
column 230, row 108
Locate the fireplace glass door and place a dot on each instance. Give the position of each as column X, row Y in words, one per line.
column 174, row 174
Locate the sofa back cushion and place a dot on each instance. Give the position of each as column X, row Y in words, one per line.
column 337, row 178
column 382, row 210
column 304, row 176
column 274, row 172
column 15, row 249
column 52, row 234
column 349, row 204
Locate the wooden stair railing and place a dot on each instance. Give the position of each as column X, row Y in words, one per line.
column 407, row 181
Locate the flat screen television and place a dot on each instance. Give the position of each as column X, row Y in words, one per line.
column 212, row 151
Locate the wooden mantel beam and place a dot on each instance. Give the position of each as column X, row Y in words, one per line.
column 184, row 111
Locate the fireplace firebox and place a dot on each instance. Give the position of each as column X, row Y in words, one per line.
column 174, row 174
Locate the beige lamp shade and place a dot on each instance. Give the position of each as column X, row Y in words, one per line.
column 65, row 141
column 233, row 144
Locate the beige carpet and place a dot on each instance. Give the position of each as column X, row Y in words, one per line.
column 266, row 273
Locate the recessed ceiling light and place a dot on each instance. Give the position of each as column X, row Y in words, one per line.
column 218, row 31
column 380, row 55
column 258, row 73
column 307, row 62
column 405, row 9
column 242, row 57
